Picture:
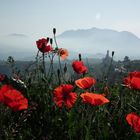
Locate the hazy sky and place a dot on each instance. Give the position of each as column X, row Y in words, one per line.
column 36, row 18
column 22, row 22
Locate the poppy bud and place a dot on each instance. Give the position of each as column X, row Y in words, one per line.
column 51, row 41
column 48, row 39
column 80, row 58
column 112, row 53
column 56, row 48
column 54, row 31
column 65, row 68
column 58, row 72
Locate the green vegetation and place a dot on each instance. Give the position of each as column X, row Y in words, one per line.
column 45, row 120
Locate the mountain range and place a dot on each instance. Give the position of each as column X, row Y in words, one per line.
column 91, row 43
column 95, row 40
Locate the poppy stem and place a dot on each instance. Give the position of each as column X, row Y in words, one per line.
column 109, row 68
column 60, row 66
column 44, row 69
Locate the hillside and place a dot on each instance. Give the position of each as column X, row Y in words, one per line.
column 97, row 40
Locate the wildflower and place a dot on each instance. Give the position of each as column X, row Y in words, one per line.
column 64, row 95
column 94, row 99
column 63, row 53
column 42, row 45
column 133, row 80
column 134, row 120
column 79, row 67
column 13, row 98
column 85, row 83
column 135, row 73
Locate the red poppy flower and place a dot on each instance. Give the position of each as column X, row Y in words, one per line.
column 79, row 67
column 135, row 74
column 13, row 98
column 134, row 121
column 94, row 99
column 85, row 83
column 133, row 80
column 2, row 77
column 64, row 95
column 42, row 45
column 63, row 53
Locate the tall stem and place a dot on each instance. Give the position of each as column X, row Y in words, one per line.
column 109, row 68
column 44, row 69
column 60, row 67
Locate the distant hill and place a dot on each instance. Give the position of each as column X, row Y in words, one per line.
column 97, row 40
column 97, row 33
column 21, row 55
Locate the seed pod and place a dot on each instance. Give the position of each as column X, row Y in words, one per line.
column 58, row 72
column 54, row 31
column 112, row 53
column 65, row 68
column 51, row 41
column 80, row 57
column 48, row 39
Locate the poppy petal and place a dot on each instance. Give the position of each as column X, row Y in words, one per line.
column 85, row 83
column 94, row 99
column 13, row 98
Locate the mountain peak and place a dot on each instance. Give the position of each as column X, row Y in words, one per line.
column 96, row 40
column 94, row 30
